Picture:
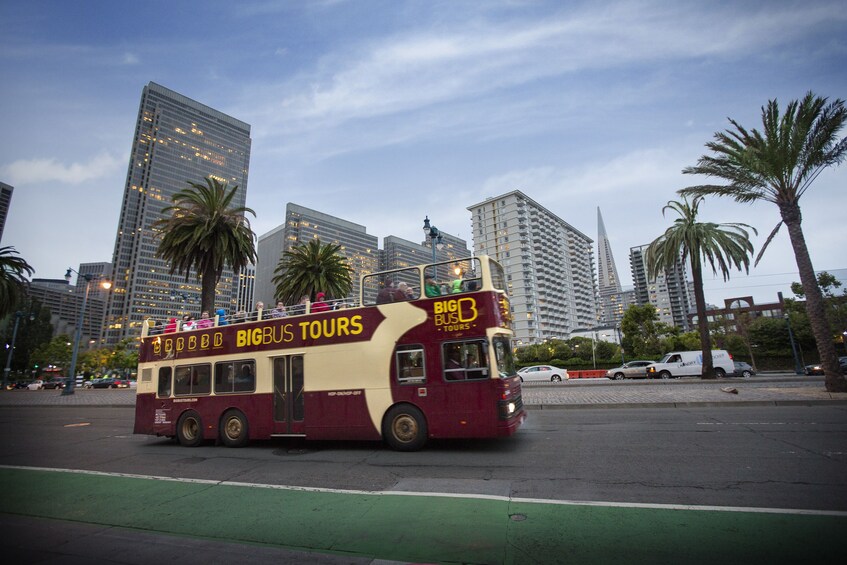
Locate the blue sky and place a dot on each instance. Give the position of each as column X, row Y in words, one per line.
column 384, row 112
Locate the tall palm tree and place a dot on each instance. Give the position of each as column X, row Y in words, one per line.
column 778, row 165
column 691, row 241
column 311, row 268
column 205, row 233
column 13, row 282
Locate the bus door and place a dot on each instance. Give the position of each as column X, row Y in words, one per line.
column 288, row 395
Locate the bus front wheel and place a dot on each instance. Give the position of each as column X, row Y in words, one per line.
column 234, row 429
column 189, row 429
column 404, row 428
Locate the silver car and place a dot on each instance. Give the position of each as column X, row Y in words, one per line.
column 631, row 370
column 546, row 373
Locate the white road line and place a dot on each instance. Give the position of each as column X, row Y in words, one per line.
column 793, row 511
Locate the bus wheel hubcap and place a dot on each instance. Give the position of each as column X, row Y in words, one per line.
column 405, row 428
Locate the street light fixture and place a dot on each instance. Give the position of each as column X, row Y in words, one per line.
column 18, row 316
column 71, row 378
column 798, row 367
column 435, row 240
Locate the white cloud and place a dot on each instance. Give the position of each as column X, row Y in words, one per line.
column 130, row 59
column 34, row 171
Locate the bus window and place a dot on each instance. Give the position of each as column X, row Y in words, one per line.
column 498, row 277
column 503, row 354
column 235, row 376
column 410, row 364
column 164, row 382
column 465, row 360
column 192, row 380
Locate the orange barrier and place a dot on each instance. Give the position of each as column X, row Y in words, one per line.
column 590, row 374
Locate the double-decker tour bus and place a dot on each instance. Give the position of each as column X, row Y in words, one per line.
column 415, row 359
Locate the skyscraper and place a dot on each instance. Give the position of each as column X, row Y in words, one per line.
column 176, row 140
column 5, row 202
column 549, row 265
column 304, row 224
column 613, row 301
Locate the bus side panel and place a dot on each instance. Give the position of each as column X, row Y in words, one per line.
column 341, row 414
column 144, row 415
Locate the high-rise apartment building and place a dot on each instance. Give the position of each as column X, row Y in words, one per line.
column 176, row 140
column 5, row 202
column 303, row 225
column 549, row 266
column 670, row 292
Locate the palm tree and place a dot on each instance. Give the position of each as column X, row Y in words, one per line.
column 205, row 234
column 13, row 282
column 691, row 241
column 779, row 165
column 310, row 268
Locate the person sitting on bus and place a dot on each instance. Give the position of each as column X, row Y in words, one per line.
column 171, row 325
column 400, row 292
column 431, row 288
column 204, row 321
column 238, row 317
column 300, row 307
column 456, row 286
column 257, row 314
column 279, row 311
column 319, row 305
column 187, row 322
column 385, row 294
column 221, row 313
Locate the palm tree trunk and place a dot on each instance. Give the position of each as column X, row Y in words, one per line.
column 834, row 380
column 702, row 322
column 207, row 293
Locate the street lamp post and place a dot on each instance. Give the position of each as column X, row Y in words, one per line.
column 435, row 240
column 620, row 342
column 71, row 378
column 18, row 316
column 798, row 367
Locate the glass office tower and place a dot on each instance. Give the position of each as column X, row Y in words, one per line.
column 176, row 140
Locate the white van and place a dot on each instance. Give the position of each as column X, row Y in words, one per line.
column 690, row 364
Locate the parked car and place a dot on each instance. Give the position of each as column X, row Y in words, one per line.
column 16, row 386
column 55, row 382
column 631, row 370
column 743, row 369
column 817, row 368
column 546, row 373
column 107, row 382
column 813, row 369
column 35, row 385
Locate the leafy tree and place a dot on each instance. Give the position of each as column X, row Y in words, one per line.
column 722, row 245
column 779, row 165
column 206, row 233
column 641, row 330
column 311, row 268
column 13, row 282
column 57, row 352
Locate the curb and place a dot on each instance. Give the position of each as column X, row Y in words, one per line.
column 707, row 404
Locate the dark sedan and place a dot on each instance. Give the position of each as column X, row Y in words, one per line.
column 108, row 382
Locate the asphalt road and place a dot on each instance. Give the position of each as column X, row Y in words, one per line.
column 735, row 484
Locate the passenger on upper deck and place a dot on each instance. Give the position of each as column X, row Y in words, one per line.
column 171, row 327
column 204, row 321
column 221, row 313
column 385, row 293
column 279, row 311
column 300, row 307
column 319, row 305
column 431, row 288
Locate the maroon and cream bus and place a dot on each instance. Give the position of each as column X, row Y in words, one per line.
column 399, row 366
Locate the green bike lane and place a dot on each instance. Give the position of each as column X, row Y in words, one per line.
column 425, row 527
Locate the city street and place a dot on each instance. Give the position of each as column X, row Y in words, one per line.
column 640, row 470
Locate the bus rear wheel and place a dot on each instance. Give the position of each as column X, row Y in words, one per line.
column 404, row 428
column 189, row 429
column 234, row 431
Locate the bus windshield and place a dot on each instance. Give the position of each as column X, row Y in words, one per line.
column 503, row 353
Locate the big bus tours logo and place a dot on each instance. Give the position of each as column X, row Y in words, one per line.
column 455, row 314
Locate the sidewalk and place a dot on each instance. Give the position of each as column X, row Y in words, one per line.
column 582, row 393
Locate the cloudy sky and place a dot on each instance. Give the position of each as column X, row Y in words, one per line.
column 382, row 112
